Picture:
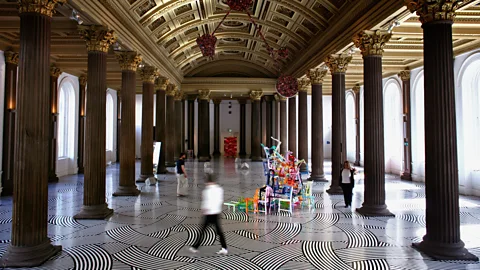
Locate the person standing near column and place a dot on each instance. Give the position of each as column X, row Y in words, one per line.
column 348, row 182
column 182, row 178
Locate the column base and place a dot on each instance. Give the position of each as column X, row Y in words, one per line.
column 216, row 154
column 80, row 170
column 256, row 158
column 143, row 177
column 406, row 176
column 29, row 256
column 53, row 178
column 126, row 191
column 335, row 190
column 317, row 178
column 242, row 155
column 203, row 159
column 170, row 164
column 356, row 163
column 375, row 211
column 163, row 172
column 444, row 251
column 100, row 211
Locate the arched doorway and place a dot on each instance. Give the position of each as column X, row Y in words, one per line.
column 418, row 129
column 350, row 123
column 109, row 122
column 393, row 131
column 66, row 129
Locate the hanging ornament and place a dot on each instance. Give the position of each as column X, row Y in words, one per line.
column 240, row 5
column 287, row 86
column 282, row 53
column 207, row 43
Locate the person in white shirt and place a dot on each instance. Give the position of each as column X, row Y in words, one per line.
column 347, row 183
column 212, row 201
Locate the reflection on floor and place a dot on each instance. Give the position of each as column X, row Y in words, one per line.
column 154, row 230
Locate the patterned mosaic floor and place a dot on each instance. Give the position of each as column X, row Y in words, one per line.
column 154, row 230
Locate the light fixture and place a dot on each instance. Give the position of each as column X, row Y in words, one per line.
column 76, row 17
column 392, row 25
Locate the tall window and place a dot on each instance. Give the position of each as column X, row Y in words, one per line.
column 66, row 121
column 109, row 122
column 350, row 123
column 393, row 127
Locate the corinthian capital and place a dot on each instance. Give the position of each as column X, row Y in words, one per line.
column 148, row 74
column 371, row 42
column 128, row 60
column 303, row 84
column 356, row 89
column 316, row 75
column 404, row 75
column 204, row 94
column 179, row 95
column 98, row 37
column 338, row 63
column 83, row 80
column 162, row 83
column 11, row 57
column 280, row 98
column 171, row 89
column 55, row 71
column 44, row 7
column 438, row 10
column 256, row 94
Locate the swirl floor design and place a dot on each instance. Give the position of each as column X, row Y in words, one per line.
column 154, row 229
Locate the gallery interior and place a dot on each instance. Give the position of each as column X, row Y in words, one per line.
column 89, row 87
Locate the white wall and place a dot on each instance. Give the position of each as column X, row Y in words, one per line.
column 417, row 124
column 229, row 121
column 393, row 124
column 111, row 156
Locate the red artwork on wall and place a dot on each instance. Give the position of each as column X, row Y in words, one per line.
column 230, row 146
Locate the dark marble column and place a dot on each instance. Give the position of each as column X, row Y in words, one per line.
column 374, row 193
column 356, row 91
column 216, row 127
column 29, row 244
column 119, row 124
column 81, row 122
column 11, row 65
column 256, row 153
column 407, row 126
column 268, row 120
column 283, row 124
column 303, row 85
column 292, row 125
column 52, row 142
column 442, row 240
column 148, row 75
column 184, row 147
column 98, row 40
column 178, row 123
column 191, row 123
column 316, row 78
column 338, row 66
column 243, row 126
column 128, row 63
column 169, row 130
column 161, row 85
column 203, row 125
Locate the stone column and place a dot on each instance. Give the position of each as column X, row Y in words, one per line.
column 356, row 91
column 81, row 122
column 283, row 123
column 148, row 75
column 30, row 245
column 52, row 142
column 169, row 130
column 178, row 123
column 11, row 65
column 256, row 153
column 442, row 240
column 184, row 149
column 243, row 127
column 303, row 85
column 316, row 78
column 371, row 44
column 338, row 66
column 292, row 125
column 161, row 85
column 191, row 123
column 119, row 124
column 216, row 127
column 203, row 125
column 98, row 39
column 129, row 62
column 268, row 120
column 407, row 126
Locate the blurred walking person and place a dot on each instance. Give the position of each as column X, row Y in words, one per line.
column 182, row 179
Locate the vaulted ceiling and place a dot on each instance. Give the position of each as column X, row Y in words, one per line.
column 165, row 32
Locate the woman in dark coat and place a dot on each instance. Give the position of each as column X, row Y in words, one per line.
column 347, row 182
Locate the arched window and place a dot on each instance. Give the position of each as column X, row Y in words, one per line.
column 66, row 121
column 350, row 123
column 362, row 125
column 393, row 129
column 418, row 127
column 109, row 122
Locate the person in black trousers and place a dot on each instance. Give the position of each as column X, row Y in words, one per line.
column 347, row 182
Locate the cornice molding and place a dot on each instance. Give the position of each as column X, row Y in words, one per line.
column 220, row 80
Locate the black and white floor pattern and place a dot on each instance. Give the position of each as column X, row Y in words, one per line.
column 155, row 229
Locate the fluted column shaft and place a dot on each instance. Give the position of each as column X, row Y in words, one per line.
column 170, row 132
column 30, row 245
column 81, row 123
column 160, row 129
column 178, row 128
column 292, row 125
column 119, row 124
column 283, row 127
column 184, row 150
column 268, row 120
column 407, row 125
column 303, row 129
column 146, row 147
column 203, row 130
column 256, row 154
column 127, row 185
column 243, row 126
column 318, row 173
column 216, row 128
column 52, row 142
column 357, row 127
column 338, row 130
column 191, row 124
column 11, row 65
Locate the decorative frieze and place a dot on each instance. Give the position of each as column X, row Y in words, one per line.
column 316, row 75
column 372, row 42
column 44, row 7
column 128, row 60
column 303, row 84
column 11, row 57
column 338, row 63
column 438, row 10
column 98, row 37
column 256, row 95
column 204, row 94
column 149, row 74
